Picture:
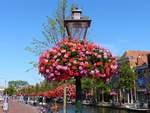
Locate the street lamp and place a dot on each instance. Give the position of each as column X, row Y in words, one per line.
column 76, row 27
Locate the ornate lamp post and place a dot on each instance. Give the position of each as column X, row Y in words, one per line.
column 76, row 27
column 73, row 58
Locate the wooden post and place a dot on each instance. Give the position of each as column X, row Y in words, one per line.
column 65, row 98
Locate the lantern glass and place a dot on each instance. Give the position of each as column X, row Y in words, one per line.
column 77, row 29
column 77, row 25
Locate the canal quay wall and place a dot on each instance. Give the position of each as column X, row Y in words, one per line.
column 129, row 107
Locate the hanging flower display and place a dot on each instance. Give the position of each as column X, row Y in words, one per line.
column 59, row 91
column 51, row 94
column 71, row 91
column 74, row 57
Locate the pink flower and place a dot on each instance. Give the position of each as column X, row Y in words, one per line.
column 58, row 67
column 52, row 74
column 74, row 67
column 70, row 72
column 103, row 75
column 53, row 51
column 63, row 51
column 92, row 72
column 83, row 49
column 81, row 53
column 55, row 57
column 107, row 80
column 59, row 54
column 85, row 71
column 66, row 55
column 64, row 59
column 47, row 70
column 70, row 44
column 56, row 72
column 81, row 63
column 99, row 56
column 105, row 55
column 87, row 52
column 98, row 75
column 69, row 64
column 72, row 49
column 45, row 54
column 81, row 72
column 42, row 68
column 55, row 64
column 114, row 66
column 71, row 60
column 44, row 61
column 80, row 67
column 64, row 68
column 96, row 71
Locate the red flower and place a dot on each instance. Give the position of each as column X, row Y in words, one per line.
column 71, row 60
column 64, row 59
column 74, row 67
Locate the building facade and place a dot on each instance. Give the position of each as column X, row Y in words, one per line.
column 140, row 62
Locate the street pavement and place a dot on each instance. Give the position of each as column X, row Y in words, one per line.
column 17, row 107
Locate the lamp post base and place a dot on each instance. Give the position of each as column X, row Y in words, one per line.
column 78, row 107
column 78, row 95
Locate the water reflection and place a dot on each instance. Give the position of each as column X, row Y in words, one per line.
column 90, row 109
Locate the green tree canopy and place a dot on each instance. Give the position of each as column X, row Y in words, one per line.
column 127, row 76
column 10, row 90
column 17, row 83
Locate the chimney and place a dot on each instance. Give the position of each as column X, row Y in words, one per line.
column 148, row 60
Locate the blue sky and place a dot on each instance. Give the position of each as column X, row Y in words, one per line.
column 118, row 25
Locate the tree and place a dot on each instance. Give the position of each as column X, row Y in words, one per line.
column 10, row 90
column 127, row 78
column 95, row 86
column 17, row 83
column 53, row 31
column 86, row 87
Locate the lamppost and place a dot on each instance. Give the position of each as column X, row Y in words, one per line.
column 76, row 27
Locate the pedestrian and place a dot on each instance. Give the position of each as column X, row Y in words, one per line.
column 21, row 99
column 5, row 103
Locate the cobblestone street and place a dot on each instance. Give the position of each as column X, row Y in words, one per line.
column 16, row 107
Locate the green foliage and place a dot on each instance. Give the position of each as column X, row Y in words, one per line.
column 94, row 83
column 126, row 76
column 17, row 83
column 10, row 90
column 86, row 84
column 42, row 87
column 53, row 30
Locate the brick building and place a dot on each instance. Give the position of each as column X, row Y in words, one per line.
column 140, row 61
column 135, row 58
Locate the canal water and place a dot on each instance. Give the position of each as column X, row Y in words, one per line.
column 91, row 109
